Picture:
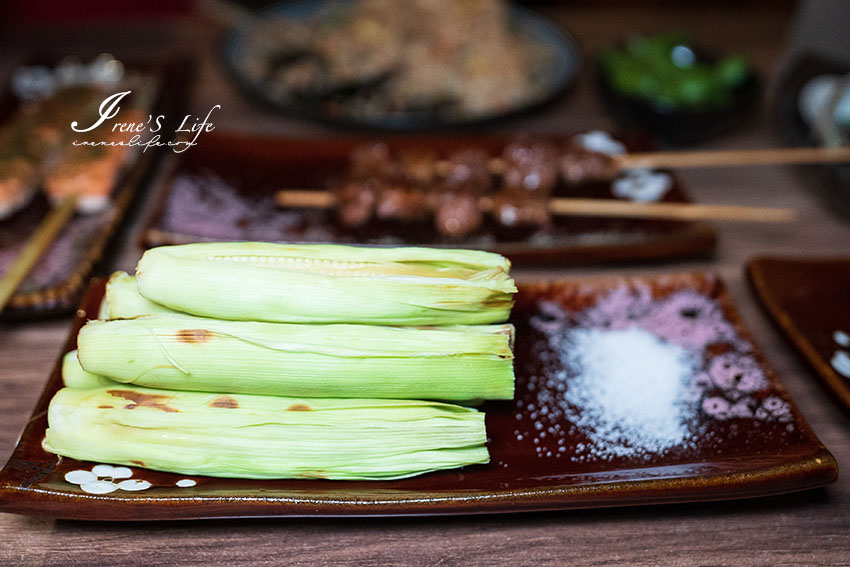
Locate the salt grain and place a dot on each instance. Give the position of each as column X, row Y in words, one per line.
column 628, row 408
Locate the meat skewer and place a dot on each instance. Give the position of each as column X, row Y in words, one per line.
column 516, row 187
column 80, row 179
column 31, row 140
column 91, row 171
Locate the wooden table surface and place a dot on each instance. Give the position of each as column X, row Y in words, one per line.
column 811, row 528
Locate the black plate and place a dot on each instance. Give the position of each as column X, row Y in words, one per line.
column 563, row 70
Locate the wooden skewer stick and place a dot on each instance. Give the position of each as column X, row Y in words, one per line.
column 305, row 199
column 729, row 158
column 300, row 198
column 704, row 158
column 38, row 242
column 672, row 211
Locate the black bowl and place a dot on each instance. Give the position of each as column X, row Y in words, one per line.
column 678, row 126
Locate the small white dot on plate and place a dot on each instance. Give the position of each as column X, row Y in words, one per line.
column 103, row 470
column 841, row 338
column 185, row 483
column 841, row 363
column 642, row 185
column 80, row 477
column 121, row 472
column 99, row 487
column 133, row 485
column 601, row 142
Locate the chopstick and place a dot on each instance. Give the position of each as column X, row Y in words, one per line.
column 35, row 246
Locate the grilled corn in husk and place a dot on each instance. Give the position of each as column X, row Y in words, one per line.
column 329, row 283
column 260, row 437
column 122, row 299
column 73, row 375
column 183, row 352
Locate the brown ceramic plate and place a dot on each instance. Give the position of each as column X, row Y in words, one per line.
column 564, row 442
column 809, row 299
column 223, row 190
column 58, row 280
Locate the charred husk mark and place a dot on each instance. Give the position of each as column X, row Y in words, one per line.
column 105, row 407
column 153, row 401
column 193, row 335
column 299, row 407
column 135, row 462
column 224, row 402
column 315, row 474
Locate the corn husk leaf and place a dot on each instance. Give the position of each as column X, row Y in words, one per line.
column 263, row 437
column 73, row 375
column 122, row 299
column 329, row 283
column 183, row 352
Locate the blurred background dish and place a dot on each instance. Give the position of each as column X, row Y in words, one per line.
column 807, row 299
column 680, row 92
column 41, row 157
column 809, row 112
column 388, row 65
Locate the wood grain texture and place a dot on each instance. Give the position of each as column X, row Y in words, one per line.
column 803, row 529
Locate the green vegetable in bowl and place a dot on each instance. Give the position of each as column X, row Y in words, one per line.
column 668, row 72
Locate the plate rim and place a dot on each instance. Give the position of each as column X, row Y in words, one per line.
column 830, row 379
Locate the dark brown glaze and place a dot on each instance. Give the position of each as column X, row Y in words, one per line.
column 139, row 399
column 252, row 168
column 808, row 299
column 731, row 459
column 224, row 402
